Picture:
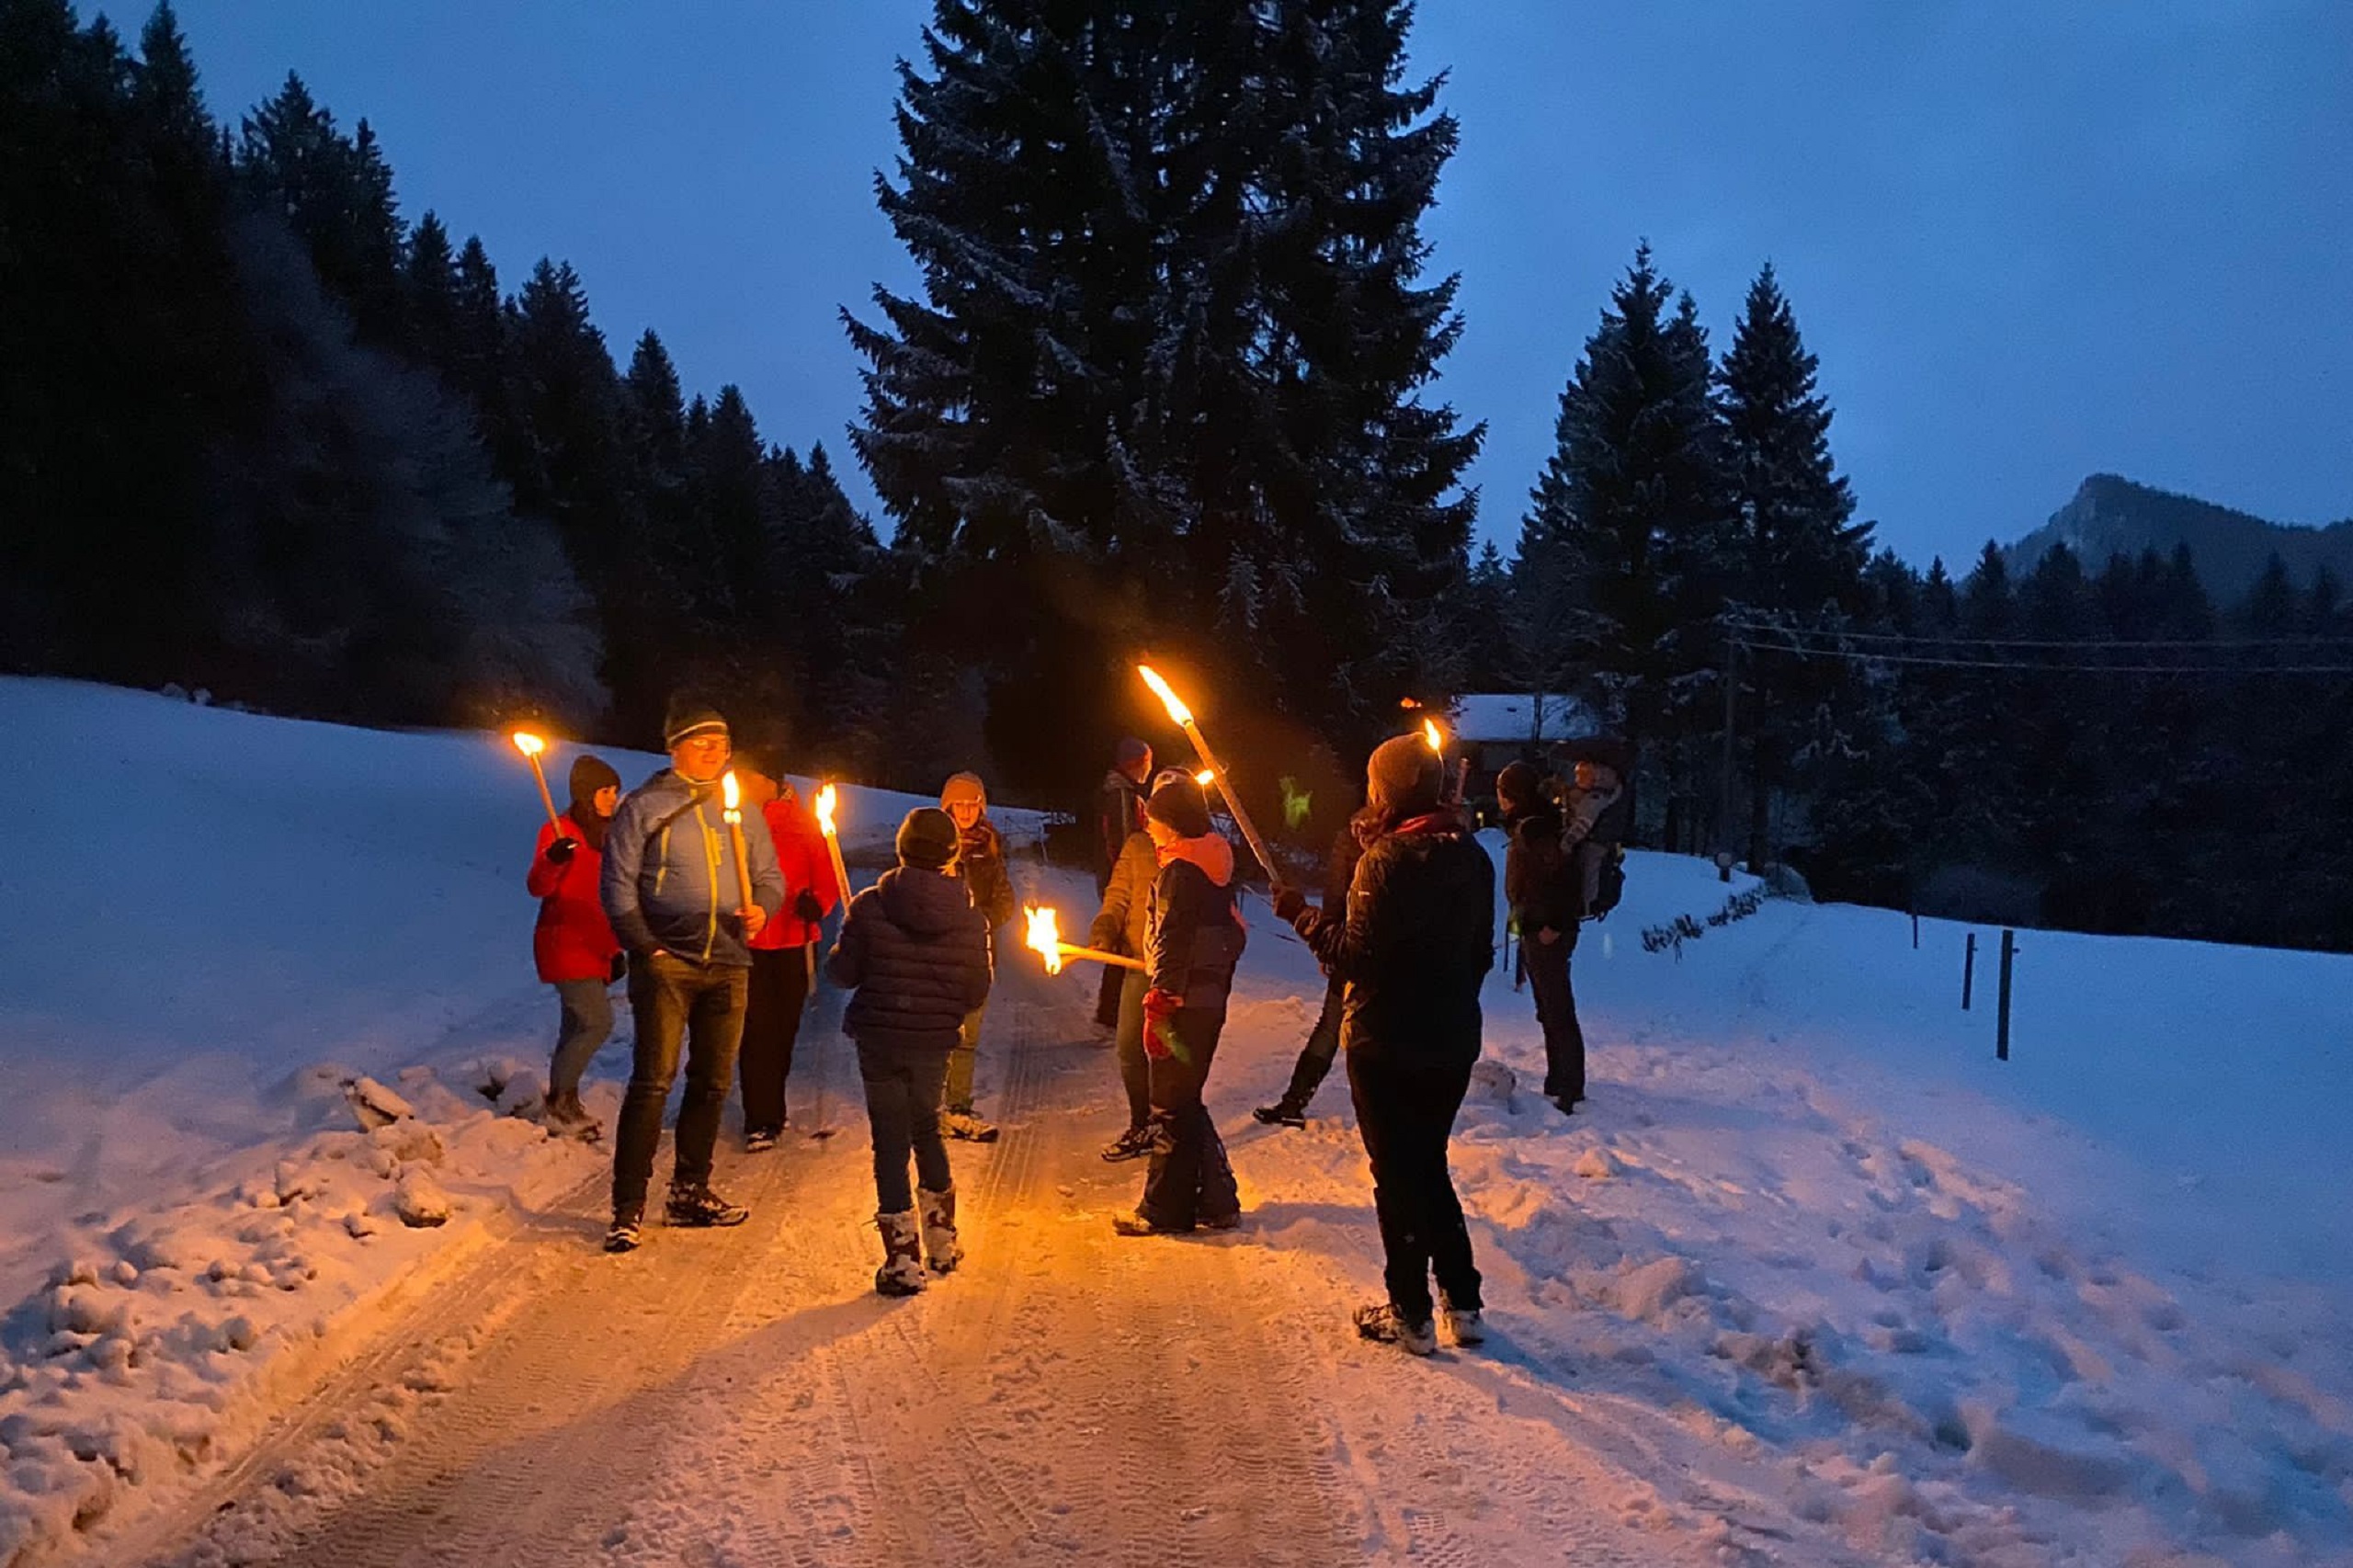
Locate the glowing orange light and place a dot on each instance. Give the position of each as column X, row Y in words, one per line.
column 528, row 744
column 1046, row 937
column 827, row 797
column 1431, row 733
column 1205, row 777
column 732, row 793
column 1180, row 714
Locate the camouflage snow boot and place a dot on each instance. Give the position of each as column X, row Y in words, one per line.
column 902, row 1271
column 939, row 1244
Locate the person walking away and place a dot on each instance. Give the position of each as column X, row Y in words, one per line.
column 1193, row 940
column 1412, row 947
column 672, row 890
column 784, row 955
column 1118, row 816
column 915, row 954
column 572, row 943
column 980, row 866
column 1323, row 1044
column 1538, row 889
column 1122, row 925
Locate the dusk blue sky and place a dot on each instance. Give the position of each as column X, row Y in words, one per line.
column 2028, row 240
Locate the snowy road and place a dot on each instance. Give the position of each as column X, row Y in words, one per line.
column 742, row 1398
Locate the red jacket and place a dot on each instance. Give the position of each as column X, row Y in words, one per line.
column 573, row 940
column 807, row 863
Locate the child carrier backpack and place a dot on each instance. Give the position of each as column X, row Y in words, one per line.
column 1597, row 855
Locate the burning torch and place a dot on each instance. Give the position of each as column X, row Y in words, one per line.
column 531, row 746
column 733, row 795
column 1435, row 738
column 1184, row 719
column 1046, row 938
column 828, row 799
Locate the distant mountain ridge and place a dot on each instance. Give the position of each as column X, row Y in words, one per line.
column 2111, row 516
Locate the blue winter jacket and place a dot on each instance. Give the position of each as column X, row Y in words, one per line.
column 670, row 880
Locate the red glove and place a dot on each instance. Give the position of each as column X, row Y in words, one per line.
column 1159, row 1012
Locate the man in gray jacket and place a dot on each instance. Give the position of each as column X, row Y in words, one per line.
column 673, row 889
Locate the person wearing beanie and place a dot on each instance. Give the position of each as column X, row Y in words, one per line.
column 1193, row 939
column 1543, row 889
column 1118, row 816
column 1413, row 948
column 672, row 887
column 914, row 954
column 573, row 943
column 1122, row 925
column 784, row 955
column 980, row 866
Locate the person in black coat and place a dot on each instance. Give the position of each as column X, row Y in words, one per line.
column 1539, row 886
column 1412, row 947
column 1323, row 1044
column 1119, row 815
column 1193, row 939
column 915, row 954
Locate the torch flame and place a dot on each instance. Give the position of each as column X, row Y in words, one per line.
column 1431, row 733
column 1205, row 777
column 1045, row 936
column 528, row 744
column 1177, row 712
column 827, row 799
column 729, row 791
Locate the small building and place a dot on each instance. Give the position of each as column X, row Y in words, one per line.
column 1497, row 729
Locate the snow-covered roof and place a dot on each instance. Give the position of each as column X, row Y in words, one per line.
column 1519, row 716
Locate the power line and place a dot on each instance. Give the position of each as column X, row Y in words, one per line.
column 1868, row 657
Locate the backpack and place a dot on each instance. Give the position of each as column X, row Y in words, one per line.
column 1597, row 860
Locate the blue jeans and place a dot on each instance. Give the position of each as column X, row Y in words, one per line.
column 587, row 1024
column 699, row 1007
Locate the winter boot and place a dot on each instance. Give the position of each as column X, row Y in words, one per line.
column 1383, row 1324
column 567, row 1118
column 902, row 1271
column 1284, row 1112
column 961, row 1123
column 941, row 1247
column 1135, row 1144
column 1463, row 1324
column 760, row 1139
column 700, row 1207
column 627, row 1230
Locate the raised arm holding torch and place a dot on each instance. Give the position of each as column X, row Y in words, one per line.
column 1182, row 716
column 531, row 746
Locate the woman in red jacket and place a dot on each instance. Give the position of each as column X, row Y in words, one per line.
column 574, row 944
column 784, row 953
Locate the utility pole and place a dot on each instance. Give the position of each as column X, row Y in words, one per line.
column 1723, row 802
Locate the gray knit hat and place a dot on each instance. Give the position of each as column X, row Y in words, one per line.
column 688, row 717
column 1404, row 774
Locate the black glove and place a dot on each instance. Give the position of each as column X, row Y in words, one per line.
column 1106, row 934
column 1290, row 904
column 621, row 970
column 560, row 850
column 805, row 906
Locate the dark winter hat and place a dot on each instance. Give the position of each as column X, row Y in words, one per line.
column 688, row 717
column 590, row 774
column 1178, row 804
column 927, row 839
column 1403, row 773
column 1517, row 785
column 1131, row 752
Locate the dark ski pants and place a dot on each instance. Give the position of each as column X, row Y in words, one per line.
column 902, row 1089
column 675, row 1002
column 1135, row 1067
column 1307, row 1075
column 779, row 992
column 1406, row 1113
column 1556, row 1012
column 587, row 1022
column 1189, row 1179
column 1107, row 995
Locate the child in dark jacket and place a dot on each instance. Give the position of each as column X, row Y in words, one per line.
column 915, row 953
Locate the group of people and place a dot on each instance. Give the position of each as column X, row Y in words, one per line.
column 648, row 886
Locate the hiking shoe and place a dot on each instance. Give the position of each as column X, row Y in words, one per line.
column 760, row 1139
column 567, row 1118
column 1133, row 1145
column 1282, row 1113
column 1221, row 1221
column 625, row 1231
column 698, row 1206
column 1133, row 1223
column 1384, row 1325
column 1463, row 1324
column 965, row 1125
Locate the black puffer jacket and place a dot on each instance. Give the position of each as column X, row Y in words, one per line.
column 1539, row 883
column 1193, row 937
column 916, row 952
column 1415, row 943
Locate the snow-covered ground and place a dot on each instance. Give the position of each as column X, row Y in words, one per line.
column 1812, row 1278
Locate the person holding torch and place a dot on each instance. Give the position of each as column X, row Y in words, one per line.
column 784, row 953
column 572, row 943
column 689, row 881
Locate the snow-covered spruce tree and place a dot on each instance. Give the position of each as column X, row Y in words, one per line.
column 1799, row 556
column 1628, row 548
column 1161, row 385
